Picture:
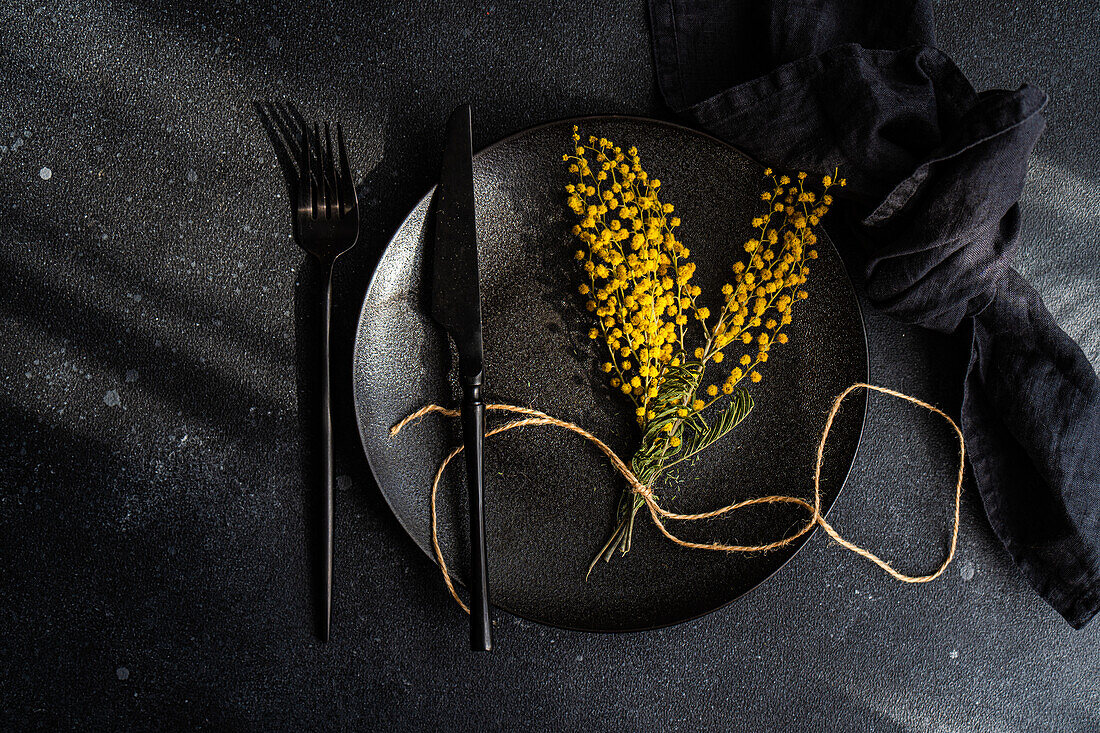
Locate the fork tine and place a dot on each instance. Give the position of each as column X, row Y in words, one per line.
column 305, row 184
column 322, row 187
column 347, row 185
column 331, row 178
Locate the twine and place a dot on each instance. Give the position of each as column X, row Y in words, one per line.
column 659, row 513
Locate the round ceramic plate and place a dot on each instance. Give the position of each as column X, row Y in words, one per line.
column 550, row 495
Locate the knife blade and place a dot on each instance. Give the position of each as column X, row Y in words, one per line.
column 456, row 305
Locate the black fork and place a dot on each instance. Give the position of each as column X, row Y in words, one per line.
column 327, row 217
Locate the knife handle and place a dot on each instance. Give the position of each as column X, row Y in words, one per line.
column 473, row 435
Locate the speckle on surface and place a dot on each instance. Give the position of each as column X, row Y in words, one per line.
column 122, row 673
column 966, row 570
column 45, row 174
column 111, row 399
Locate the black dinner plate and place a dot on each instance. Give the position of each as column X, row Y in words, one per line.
column 551, row 496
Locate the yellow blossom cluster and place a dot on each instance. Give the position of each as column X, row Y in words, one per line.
column 639, row 279
column 760, row 298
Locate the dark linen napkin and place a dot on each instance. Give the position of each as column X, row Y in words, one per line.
column 934, row 173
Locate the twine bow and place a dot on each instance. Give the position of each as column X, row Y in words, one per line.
column 659, row 513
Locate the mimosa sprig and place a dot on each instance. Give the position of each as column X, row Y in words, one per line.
column 638, row 285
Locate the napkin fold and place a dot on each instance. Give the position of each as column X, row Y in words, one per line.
column 934, row 172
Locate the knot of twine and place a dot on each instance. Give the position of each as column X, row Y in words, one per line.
column 659, row 513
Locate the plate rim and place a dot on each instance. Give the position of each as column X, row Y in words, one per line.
column 359, row 335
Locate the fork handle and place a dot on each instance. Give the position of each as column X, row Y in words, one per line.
column 326, row 454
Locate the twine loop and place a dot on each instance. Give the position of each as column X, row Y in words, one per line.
column 659, row 514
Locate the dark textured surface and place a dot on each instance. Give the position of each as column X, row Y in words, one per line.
column 550, row 497
column 151, row 493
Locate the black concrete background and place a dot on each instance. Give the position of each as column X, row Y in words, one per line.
column 153, row 502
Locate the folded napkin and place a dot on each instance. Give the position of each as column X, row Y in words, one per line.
column 934, row 172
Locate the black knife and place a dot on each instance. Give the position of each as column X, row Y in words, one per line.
column 456, row 305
